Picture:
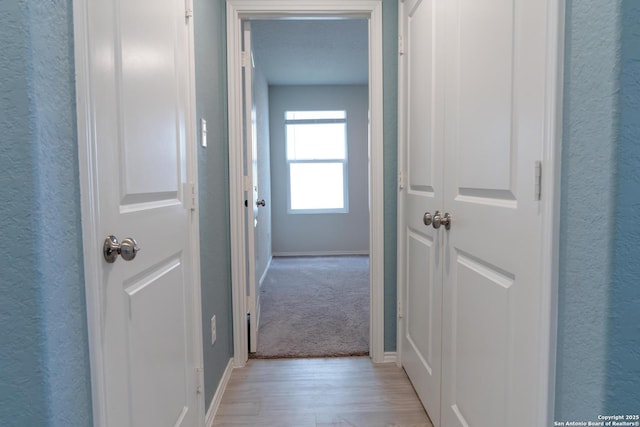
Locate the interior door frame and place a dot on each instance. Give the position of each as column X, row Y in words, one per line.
column 237, row 10
column 549, row 207
column 92, row 242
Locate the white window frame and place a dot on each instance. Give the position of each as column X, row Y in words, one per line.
column 344, row 161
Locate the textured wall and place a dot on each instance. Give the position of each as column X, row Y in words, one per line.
column 213, row 181
column 623, row 350
column 45, row 367
column 321, row 233
column 60, row 272
column 598, row 364
column 22, row 388
column 587, row 207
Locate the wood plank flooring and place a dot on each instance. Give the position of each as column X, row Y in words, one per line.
column 320, row 393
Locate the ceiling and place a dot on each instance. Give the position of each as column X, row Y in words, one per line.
column 311, row 51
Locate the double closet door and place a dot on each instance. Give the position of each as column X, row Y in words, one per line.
column 472, row 123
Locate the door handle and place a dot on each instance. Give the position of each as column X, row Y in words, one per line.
column 427, row 218
column 261, row 203
column 439, row 220
column 128, row 249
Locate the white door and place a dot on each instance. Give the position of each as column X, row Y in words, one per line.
column 423, row 194
column 138, row 79
column 475, row 112
column 495, row 125
column 250, row 143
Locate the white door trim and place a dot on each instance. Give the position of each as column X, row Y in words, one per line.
column 194, row 230
column 551, row 160
column 242, row 9
column 550, row 206
column 89, row 196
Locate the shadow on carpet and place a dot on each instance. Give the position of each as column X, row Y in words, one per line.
column 314, row 307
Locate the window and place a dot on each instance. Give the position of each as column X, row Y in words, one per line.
column 317, row 161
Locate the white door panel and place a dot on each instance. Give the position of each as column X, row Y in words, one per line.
column 485, row 50
column 495, row 124
column 139, row 98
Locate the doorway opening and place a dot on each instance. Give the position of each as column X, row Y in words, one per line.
column 309, row 91
column 369, row 13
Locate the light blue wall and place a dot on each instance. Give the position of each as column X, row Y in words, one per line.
column 390, row 152
column 623, row 349
column 213, row 181
column 598, row 360
column 44, row 379
column 586, row 223
column 22, row 393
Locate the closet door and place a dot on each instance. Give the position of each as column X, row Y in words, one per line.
column 492, row 252
column 422, row 162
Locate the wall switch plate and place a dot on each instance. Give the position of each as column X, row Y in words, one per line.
column 213, row 329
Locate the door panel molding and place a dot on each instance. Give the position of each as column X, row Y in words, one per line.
column 237, row 10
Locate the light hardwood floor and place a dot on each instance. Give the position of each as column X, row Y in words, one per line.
column 320, row 392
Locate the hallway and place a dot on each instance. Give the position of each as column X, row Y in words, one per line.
column 320, row 392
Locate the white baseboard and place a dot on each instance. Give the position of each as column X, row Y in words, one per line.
column 320, row 253
column 390, row 357
column 264, row 273
column 259, row 306
column 217, row 397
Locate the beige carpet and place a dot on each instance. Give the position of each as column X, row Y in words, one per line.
column 315, row 307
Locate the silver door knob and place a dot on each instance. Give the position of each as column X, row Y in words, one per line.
column 261, row 203
column 427, row 218
column 128, row 249
column 439, row 219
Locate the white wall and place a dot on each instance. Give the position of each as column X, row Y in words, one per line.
column 339, row 233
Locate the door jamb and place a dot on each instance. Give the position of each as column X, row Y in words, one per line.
column 90, row 211
column 242, row 9
column 550, row 206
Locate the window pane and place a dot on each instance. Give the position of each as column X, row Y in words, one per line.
column 316, row 185
column 315, row 115
column 316, row 141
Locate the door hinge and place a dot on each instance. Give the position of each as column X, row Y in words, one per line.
column 247, row 183
column 188, row 9
column 400, row 181
column 399, row 310
column 190, row 197
column 199, row 385
column 400, row 45
column 538, row 181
